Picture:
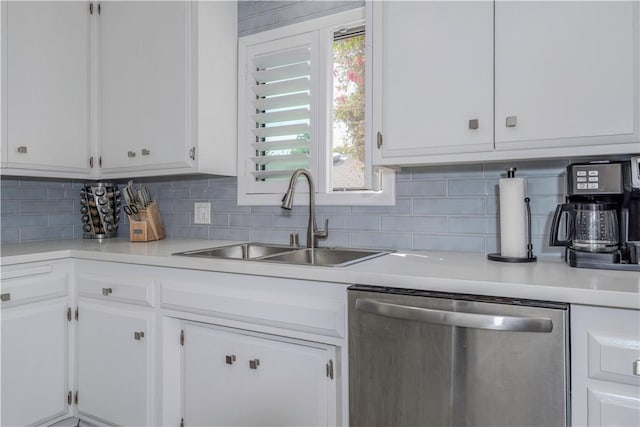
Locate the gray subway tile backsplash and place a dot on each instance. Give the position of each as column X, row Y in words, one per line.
column 421, row 188
column 450, row 206
column 415, row 224
column 442, row 207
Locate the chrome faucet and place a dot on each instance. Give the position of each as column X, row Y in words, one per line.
column 313, row 234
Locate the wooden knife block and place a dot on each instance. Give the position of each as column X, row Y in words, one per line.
column 150, row 226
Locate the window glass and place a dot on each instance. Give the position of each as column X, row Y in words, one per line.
column 348, row 131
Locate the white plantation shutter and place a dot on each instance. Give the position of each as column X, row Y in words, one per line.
column 285, row 98
column 279, row 88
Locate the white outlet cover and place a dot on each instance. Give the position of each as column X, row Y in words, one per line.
column 202, row 213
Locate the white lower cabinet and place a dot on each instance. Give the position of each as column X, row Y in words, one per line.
column 234, row 378
column 114, row 344
column 113, row 364
column 605, row 366
column 35, row 344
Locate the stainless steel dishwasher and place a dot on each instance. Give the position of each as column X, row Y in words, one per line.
column 420, row 358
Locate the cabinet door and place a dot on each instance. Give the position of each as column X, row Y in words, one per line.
column 432, row 78
column 567, row 72
column 114, row 380
column 144, row 56
column 605, row 348
column 47, row 81
column 34, row 362
column 233, row 379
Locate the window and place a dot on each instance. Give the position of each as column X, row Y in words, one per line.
column 302, row 104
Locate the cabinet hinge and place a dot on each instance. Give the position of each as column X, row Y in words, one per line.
column 192, row 153
column 181, row 422
column 69, row 396
column 182, row 337
column 75, row 399
column 69, row 314
column 77, row 309
column 330, row 369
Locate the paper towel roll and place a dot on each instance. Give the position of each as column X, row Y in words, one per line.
column 513, row 241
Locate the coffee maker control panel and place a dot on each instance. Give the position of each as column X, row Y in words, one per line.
column 595, row 179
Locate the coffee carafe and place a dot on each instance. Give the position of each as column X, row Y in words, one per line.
column 600, row 222
column 590, row 227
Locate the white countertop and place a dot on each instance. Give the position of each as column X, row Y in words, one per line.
column 457, row 272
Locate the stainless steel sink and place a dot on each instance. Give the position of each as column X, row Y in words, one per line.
column 241, row 251
column 326, row 257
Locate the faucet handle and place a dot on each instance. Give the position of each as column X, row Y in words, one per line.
column 323, row 234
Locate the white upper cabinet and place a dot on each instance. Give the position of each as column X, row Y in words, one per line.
column 566, row 80
column 144, row 84
column 165, row 69
column 119, row 89
column 432, row 77
column 568, row 73
column 45, row 88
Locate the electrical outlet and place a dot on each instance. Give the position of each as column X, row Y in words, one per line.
column 202, row 213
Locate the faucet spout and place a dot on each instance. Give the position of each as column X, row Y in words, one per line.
column 313, row 234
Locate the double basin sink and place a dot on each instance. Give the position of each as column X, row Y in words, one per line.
column 325, row 257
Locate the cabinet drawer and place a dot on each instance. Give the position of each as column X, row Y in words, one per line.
column 612, row 358
column 30, row 283
column 116, row 289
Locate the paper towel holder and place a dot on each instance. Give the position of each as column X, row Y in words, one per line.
column 530, row 256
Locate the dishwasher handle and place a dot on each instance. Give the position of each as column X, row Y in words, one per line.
column 456, row 318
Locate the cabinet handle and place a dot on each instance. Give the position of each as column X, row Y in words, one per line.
column 473, row 124
column 636, row 367
column 229, row 359
column 379, row 139
column 145, row 152
column 511, row 121
column 22, row 149
column 90, row 8
column 131, row 153
column 5, row 297
column 91, row 162
column 100, row 161
column 107, row 291
column 192, row 153
column 253, row 364
column 138, row 335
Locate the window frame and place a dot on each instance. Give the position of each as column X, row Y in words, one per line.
column 321, row 32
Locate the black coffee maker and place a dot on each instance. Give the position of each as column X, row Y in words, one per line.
column 600, row 223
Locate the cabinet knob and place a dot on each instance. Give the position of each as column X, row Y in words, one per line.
column 138, row 335
column 636, row 367
column 473, row 124
column 5, row 297
column 22, row 149
column 230, row 358
column 511, row 121
column 145, row 152
column 253, row 364
column 131, row 153
column 107, row 291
